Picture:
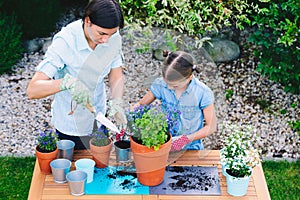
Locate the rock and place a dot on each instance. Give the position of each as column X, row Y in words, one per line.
column 33, row 45
column 222, row 50
column 158, row 53
column 46, row 43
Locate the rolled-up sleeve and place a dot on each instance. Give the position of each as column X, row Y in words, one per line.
column 53, row 61
column 118, row 60
column 156, row 88
column 207, row 98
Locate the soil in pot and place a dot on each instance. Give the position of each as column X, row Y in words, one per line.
column 42, row 150
column 123, row 144
column 137, row 140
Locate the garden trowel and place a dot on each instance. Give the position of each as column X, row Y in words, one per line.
column 106, row 122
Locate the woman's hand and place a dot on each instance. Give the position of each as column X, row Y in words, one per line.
column 117, row 111
column 80, row 93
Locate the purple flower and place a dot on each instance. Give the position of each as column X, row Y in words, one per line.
column 100, row 136
column 47, row 140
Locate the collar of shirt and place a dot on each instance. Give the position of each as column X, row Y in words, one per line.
column 82, row 42
column 188, row 89
column 80, row 38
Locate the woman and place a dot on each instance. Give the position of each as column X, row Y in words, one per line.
column 74, row 67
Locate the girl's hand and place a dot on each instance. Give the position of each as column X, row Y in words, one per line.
column 179, row 142
column 135, row 106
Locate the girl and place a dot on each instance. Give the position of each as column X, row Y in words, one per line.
column 179, row 89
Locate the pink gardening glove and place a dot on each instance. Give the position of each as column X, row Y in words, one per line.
column 179, row 142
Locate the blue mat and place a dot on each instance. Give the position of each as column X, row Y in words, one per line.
column 178, row 180
column 115, row 180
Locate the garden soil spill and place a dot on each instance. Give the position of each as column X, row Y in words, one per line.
column 128, row 183
column 186, row 180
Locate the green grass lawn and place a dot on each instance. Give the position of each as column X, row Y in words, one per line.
column 283, row 179
column 15, row 178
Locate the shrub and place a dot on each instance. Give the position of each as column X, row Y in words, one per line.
column 10, row 43
column 38, row 17
column 195, row 18
column 191, row 17
column 277, row 37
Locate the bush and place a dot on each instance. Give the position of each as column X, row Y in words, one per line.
column 10, row 43
column 199, row 19
column 38, row 17
column 277, row 37
column 192, row 17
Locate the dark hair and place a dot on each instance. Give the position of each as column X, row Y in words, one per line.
column 177, row 65
column 104, row 13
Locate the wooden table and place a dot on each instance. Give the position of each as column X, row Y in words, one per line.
column 43, row 186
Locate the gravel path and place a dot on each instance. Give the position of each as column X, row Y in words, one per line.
column 21, row 119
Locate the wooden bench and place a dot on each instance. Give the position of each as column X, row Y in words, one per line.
column 43, row 186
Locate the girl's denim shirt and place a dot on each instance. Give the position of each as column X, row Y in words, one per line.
column 191, row 103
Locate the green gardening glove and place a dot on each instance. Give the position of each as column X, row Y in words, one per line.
column 117, row 111
column 80, row 93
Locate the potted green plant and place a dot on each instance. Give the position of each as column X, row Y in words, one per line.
column 151, row 127
column 46, row 150
column 239, row 157
column 100, row 145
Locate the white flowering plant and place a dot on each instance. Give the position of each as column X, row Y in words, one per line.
column 239, row 153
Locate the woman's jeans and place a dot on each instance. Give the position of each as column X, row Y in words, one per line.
column 81, row 142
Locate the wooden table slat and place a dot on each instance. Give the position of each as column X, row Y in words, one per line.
column 92, row 197
column 37, row 183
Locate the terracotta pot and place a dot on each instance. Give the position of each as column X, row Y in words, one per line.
column 101, row 154
column 44, row 160
column 150, row 164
